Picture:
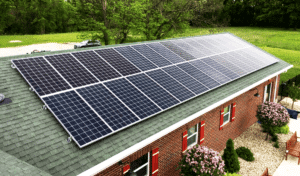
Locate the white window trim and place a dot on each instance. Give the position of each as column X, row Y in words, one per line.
column 139, row 168
column 197, row 135
column 265, row 92
column 229, row 111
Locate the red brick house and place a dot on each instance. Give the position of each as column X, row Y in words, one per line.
column 151, row 147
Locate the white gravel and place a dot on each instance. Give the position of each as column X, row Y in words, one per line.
column 12, row 51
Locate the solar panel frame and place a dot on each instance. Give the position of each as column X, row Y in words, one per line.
column 31, row 84
column 140, row 91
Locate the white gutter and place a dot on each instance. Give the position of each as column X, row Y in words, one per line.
column 275, row 89
column 113, row 160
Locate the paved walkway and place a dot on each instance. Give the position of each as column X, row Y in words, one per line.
column 290, row 166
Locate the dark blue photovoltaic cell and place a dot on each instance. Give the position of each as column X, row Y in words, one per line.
column 215, row 43
column 177, row 50
column 160, row 96
column 225, row 71
column 133, row 98
column 111, row 110
column 262, row 56
column 238, row 62
column 136, row 58
column 165, row 52
column 224, row 41
column 117, row 61
column 152, row 55
column 229, row 65
column 77, row 117
column 199, row 75
column 206, row 51
column 236, row 40
column 211, row 72
column 251, row 58
column 188, row 48
column 186, row 79
column 170, row 84
column 71, row 70
column 213, row 48
column 42, row 77
column 96, row 65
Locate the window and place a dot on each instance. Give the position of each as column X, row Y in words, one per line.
column 226, row 115
column 140, row 166
column 267, row 95
column 192, row 136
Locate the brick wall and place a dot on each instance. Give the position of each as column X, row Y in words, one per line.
column 170, row 146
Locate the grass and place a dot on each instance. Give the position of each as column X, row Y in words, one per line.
column 282, row 43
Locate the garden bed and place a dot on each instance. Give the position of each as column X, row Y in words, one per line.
column 263, row 151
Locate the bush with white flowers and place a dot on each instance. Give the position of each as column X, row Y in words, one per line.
column 201, row 161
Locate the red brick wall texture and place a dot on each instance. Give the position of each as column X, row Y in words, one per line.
column 170, row 145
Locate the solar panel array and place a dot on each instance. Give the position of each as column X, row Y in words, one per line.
column 96, row 93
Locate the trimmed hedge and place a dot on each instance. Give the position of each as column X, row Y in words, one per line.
column 245, row 153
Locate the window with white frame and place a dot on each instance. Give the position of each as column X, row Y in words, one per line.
column 140, row 167
column 226, row 116
column 267, row 95
column 192, row 136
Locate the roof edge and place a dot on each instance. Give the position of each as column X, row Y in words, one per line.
column 112, row 160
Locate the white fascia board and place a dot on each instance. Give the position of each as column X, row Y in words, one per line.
column 125, row 153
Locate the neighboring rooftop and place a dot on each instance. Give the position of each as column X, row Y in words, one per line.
column 34, row 136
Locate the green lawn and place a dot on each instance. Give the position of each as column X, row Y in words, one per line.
column 284, row 44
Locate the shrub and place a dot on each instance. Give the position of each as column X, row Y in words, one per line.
column 276, row 145
column 245, row 153
column 232, row 174
column 230, row 157
column 281, row 130
column 273, row 114
column 200, row 160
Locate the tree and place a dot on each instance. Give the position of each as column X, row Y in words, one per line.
column 6, row 14
column 294, row 93
column 232, row 164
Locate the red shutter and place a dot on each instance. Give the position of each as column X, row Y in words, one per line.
column 221, row 119
column 202, row 132
column 232, row 112
column 184, row 141
column 155, row 162
column 126, row 169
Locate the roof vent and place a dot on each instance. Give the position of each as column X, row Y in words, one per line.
column 4, row 100
column 2, row 97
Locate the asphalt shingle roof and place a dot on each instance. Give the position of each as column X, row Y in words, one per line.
column 33, row 135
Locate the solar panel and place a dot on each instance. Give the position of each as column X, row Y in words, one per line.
column 246, row 60
column 213, row 48
column 199, row 75
column 206, row 51
column 117, row 61
column 177, row 50
column 133, row 98
column 136, row 58
column 111, row 110
column 159, row 95
column 238, row 62
column 83, row 124
column 71, row 70
column 186, row 79
column 230, row 65
column 166, row 53
column 170, row 84
column 139, row 81
column 188, row 48
column 41, row 76
column 211, row 72
column 102, row 70
column 225, row 71
column 152, row 55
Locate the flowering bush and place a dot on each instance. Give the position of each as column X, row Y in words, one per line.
column 201, row 161
column 273, row 114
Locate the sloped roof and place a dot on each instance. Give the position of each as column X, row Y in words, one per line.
column 33, row 135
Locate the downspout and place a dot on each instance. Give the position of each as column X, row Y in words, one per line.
column 275, row 89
